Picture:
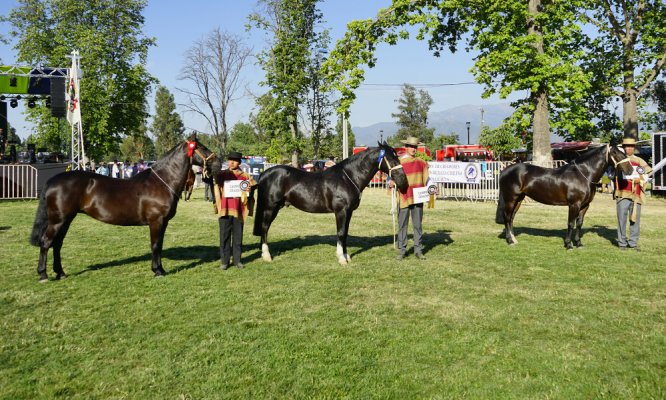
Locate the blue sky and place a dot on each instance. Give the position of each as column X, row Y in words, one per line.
column 177, row 24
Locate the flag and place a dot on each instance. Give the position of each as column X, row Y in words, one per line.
column 73, row 98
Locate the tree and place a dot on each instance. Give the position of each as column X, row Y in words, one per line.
column 501, row 140
column 244, row 139
column 319, row 106
column 529, row 46
column 137, row 147
column 108, row 35
column 412, row 115
column 213, row 66
column 167, row 126
column 292, row 25
column 629, row 51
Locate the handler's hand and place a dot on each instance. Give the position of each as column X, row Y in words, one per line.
column 637, row 180
column 391, row 184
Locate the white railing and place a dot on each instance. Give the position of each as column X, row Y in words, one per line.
column 18, row 181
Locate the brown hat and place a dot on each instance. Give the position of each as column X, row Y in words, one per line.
column 628, row 141
column 412, row 141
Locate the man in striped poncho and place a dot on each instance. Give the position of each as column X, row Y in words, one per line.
column 417, row 176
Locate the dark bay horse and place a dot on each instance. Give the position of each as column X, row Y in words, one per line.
column 148, row 198
column 336, row 190
column 572, row 185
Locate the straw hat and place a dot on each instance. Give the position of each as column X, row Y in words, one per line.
column 412, row 141
column 628, row 141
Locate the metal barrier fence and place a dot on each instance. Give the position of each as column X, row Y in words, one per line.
column 486, row 190
column 18, row 182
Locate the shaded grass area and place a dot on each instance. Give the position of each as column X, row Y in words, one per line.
column 478, row 319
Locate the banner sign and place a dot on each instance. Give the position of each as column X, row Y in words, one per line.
column 235, row 188
column 454, row 172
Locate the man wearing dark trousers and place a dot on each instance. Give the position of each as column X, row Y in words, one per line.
column 232, row 209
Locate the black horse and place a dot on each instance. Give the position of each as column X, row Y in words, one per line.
column 572, row 185
column 148, row 198
column 336, row 190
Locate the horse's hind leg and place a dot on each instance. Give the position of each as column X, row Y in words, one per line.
column 57, row 245
column 53, row 237
column 269, row 215
column 510, row 209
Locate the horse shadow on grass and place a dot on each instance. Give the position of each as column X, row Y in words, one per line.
column 197, row 255
column 355, row 244
column 609, row 234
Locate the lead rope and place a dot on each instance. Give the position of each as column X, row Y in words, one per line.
column 165, row 184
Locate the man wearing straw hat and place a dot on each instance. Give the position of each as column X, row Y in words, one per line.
column 630, row 197
column 417, row 177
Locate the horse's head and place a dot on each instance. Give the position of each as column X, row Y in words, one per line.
column 390, row 165
column 203, row 157
column 619, row 160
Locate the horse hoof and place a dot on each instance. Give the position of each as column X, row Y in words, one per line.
column 342, row 261
column 267, row 257
column 63, row 276
column 43, row 280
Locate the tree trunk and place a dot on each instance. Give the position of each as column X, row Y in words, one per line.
column 294, row 135
column 540, row 119
column 630, row 95
column 541, row 129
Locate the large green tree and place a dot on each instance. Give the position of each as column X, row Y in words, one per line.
column 412, row 115
column 627, row 51
column 167, row 126
column 291, row 25
column 523, row 46
column 109, row 36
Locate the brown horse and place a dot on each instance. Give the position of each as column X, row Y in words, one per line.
column 189, row 185
column 148, row 198
column 572, row 185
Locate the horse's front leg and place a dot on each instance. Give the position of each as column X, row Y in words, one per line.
column 342, row 222
column 571, row 224
column 157, row 229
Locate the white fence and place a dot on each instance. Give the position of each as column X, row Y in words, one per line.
column 18, row 181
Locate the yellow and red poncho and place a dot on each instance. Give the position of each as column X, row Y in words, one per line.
column 416, row 171
column 231, row 206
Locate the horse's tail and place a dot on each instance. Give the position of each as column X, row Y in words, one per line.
column 499, row 215
column 41, row 222
column 259, row 213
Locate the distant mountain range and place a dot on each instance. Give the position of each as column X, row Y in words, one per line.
column 445, row 122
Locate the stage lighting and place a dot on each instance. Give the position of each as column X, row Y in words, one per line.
column 13, row 103
column 31, row 102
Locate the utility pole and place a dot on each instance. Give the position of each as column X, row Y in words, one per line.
column 468, row 124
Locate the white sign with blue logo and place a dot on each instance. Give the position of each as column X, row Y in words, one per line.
column 454, row 172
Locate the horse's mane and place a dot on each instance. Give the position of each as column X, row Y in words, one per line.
column 164, row 161
column 590, row 153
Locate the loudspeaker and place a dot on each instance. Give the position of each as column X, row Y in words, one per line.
column 4, row 126
column 58, row 104
column 658, row 154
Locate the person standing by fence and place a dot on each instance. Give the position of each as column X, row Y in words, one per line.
column 629, row 195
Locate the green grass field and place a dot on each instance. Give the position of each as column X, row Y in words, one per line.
column 478, row 319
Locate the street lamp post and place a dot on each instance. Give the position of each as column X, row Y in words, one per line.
column 468, row 125
column 381, row 136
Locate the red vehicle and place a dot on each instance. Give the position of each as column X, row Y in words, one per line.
column 464, row 152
